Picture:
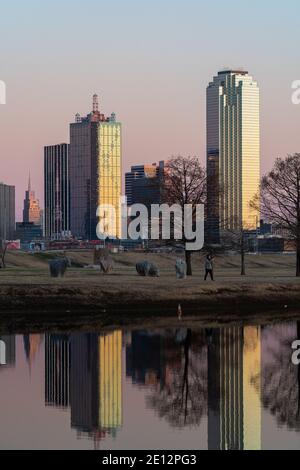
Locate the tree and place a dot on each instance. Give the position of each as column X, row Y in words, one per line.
column 185, row 183
column 236, row 239
column 281, row 378
column 279, row 198
column 3, row 249
column 181, row 398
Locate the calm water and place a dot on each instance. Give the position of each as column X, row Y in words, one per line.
column 232, row 387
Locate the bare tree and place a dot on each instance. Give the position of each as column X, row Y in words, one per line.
column 185, row 183
column 237, row 240
column 182, row 398
column 281, row 378
column 279, row 198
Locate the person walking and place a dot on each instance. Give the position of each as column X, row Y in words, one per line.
column 209, row 269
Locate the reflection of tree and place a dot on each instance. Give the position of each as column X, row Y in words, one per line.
column 182, row 397
column 281, row 384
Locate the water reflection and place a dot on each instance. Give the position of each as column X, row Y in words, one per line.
column 215, row 388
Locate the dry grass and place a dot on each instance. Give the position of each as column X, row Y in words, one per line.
column 30, row 298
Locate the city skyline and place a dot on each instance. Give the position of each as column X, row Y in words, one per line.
column 153, row 83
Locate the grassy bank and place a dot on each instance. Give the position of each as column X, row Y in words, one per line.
column 28, row 294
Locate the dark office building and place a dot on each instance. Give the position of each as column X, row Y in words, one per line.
column 143, row 184
column 28, row 231
column 57, row 192
column 7, row 212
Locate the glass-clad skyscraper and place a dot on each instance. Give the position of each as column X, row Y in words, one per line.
column 233, row 151
column 57, row 192
column 95, row 171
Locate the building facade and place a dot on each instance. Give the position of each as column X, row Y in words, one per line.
column 7, row 212
column 233, row 150
column 31, row 208
column 95, row 171
column 57, row 192
column 28, row 231
column 143, row 184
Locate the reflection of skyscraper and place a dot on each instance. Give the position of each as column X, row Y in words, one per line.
column 143, row 355
column 96, row 382
column 57, row 370
column 234, row 388
column 110, row 380
column 7, row 350
column 32, row 345
column 225, row 389
column 252, row 387
column 84, row 381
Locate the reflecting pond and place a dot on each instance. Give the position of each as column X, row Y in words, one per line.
column 233, row 387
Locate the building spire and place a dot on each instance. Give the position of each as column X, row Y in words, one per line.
column 29, row 182
column 95, row 104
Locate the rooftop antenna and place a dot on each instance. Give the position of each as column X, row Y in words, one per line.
column 95, row 104
column 29, row 182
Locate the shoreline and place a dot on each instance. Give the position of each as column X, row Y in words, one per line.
column 34, row 307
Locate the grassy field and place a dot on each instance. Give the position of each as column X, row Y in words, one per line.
column 26, row 286
column 33, row 269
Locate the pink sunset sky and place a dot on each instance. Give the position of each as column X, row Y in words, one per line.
column 150, row 63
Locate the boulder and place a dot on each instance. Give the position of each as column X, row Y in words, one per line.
column 146, row 268
column 58, row 266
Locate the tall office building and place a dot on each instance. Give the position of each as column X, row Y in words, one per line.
column 95, row 171
column 57, row 192
column 138, row 172
column 233, row 151
column 7, row 212
column 31, row 209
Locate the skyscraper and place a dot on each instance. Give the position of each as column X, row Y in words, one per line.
column 233, row 151
column 57, row 193
column 95, row 170
column 31, row 209
column 7, row 212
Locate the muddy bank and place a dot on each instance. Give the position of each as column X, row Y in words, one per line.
column 36, row 308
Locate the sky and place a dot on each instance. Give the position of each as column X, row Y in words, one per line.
column 150, row 63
